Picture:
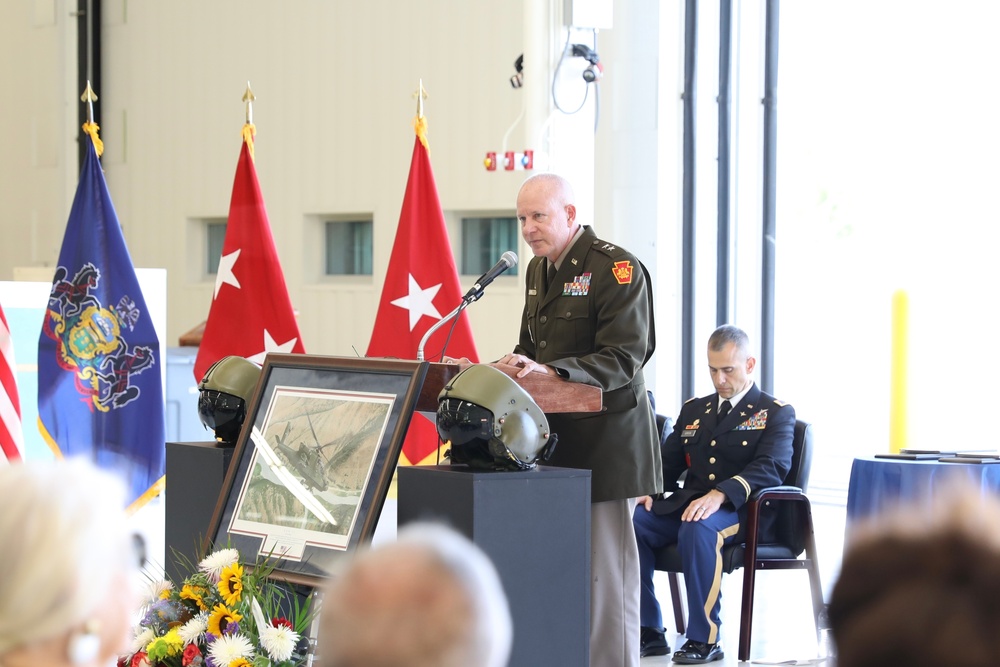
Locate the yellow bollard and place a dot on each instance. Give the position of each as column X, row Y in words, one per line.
column 900, row 351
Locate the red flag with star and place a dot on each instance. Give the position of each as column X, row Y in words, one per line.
column 421, row 287
column 251, row 313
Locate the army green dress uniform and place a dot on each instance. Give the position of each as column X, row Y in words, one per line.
column 593, row 323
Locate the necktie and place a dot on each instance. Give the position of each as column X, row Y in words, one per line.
column 724, row 409
column 550, row 275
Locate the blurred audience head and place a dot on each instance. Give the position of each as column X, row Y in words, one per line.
column 922, row 589
column 432, row 598
column 67, row 565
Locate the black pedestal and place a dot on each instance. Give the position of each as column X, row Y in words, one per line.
column 535, row 527
column 195, row 473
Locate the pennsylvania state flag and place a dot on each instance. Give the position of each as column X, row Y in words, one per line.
column 99, row 390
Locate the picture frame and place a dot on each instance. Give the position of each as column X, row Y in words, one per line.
column 314, row 461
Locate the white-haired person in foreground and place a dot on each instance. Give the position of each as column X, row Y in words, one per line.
column 67, row 566
column 432, row 598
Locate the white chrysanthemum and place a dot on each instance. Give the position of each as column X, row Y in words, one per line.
column 142, row 639
column 157, row 589
column 227, row 648
column 214, row 563
column 279, row 642
column 193, row 629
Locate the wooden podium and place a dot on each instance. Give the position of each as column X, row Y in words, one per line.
column 552, row 394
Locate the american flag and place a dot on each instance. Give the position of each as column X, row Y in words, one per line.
column 11, row 438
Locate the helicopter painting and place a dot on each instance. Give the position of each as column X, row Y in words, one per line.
column 308, row 461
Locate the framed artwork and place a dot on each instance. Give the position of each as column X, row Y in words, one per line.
column 314, row 460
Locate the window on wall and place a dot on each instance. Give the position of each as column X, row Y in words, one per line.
column 348, row 246
column 484, row 240
column 215, row 236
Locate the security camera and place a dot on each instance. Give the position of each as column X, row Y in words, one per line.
column 594, row 69
column 517, row 80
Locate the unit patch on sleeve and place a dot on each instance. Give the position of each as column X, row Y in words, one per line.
column 623, row 272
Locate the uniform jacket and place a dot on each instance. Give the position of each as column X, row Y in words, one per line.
column 749, row 450
column 594, row 325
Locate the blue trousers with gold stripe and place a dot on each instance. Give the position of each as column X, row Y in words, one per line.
column 700, row 545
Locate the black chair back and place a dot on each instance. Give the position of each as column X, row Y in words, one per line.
column 802, row 453
column 788, row 525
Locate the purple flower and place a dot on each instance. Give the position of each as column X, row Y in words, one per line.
column 161, row 611
column 232, row 628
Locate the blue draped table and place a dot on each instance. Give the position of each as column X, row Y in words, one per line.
column 881, row 484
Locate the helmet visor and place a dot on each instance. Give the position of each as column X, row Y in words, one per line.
column 462, row 422
column 217, row 408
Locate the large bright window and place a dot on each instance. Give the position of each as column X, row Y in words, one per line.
column 887, row 175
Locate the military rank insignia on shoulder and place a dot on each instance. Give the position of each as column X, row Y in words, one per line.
column 690, row 399
column 621, row 269
column 609, row 249
column 780, row 404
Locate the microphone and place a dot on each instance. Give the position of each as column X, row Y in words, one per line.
column 507, row 260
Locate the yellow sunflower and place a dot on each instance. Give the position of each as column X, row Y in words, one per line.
column 231, row 583
column 196, row 593
column 239, row 662
column 220, row 617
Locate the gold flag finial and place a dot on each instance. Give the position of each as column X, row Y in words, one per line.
column 248, row 98
column 420, row 123
column 90, row 127
column 89, row 96
column 249, row 130
column 421, row 95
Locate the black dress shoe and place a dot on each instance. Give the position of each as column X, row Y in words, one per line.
column 697, row 653
column 652, row 642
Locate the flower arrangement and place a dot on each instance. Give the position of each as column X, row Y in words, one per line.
column 223, row 615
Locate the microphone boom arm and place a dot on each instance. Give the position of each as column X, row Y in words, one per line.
column 437, row 325
column 507, row 260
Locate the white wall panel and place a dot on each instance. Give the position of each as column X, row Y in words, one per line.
column 334, row 84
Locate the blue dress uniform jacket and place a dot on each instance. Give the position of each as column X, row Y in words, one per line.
column 594, row 325
column 750, row 449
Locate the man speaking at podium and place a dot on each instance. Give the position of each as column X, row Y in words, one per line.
column 588, row 318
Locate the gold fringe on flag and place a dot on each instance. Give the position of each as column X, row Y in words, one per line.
column 249, row 132
column 420, row 127
column 92, row 129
